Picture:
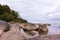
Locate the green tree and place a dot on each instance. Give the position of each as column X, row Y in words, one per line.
column 8, row 15
column 15, row 14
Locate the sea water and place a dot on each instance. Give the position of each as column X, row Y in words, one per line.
column 54, row 28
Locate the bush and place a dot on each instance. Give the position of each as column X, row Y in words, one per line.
column 8, row 15
column 20, row 20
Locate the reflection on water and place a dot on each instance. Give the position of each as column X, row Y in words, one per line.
column 54, row 29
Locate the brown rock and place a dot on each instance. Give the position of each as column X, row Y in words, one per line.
column 12, row 35
column 43, row 28
column 29, row 26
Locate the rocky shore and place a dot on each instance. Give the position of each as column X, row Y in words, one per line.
column 25, row 31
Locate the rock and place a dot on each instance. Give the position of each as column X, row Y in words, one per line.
column 14, row 26
column 1, row 32
column 23, row 31
column 47, row 37
column 27, row 36
column 12, row 35
column 29, row 26
column 4, row 27
column 43, row 29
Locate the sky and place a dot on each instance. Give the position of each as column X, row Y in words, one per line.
column 36, row 11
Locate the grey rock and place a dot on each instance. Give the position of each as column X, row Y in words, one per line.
column 4, row 26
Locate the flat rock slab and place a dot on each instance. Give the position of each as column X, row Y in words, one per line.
column 47, row 37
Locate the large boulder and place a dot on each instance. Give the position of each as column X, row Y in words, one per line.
column 12, row 35
column 4, row 27
column 30, row 26
column 43, row 28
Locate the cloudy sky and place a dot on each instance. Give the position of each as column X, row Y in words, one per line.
column 39, row 11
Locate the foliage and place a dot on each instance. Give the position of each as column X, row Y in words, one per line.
column 8, row 15
column 20, row 20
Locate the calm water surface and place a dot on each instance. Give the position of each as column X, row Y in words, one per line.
column 54, row 29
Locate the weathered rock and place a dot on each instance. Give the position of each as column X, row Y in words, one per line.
column 14, row 26
column 1, row 32
column 4, row 27
column 30, row 35
column 43, row 28
column 12, row 35
column 29, row 31
column 29, row 26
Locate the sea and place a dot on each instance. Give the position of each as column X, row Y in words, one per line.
column 54, row 28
